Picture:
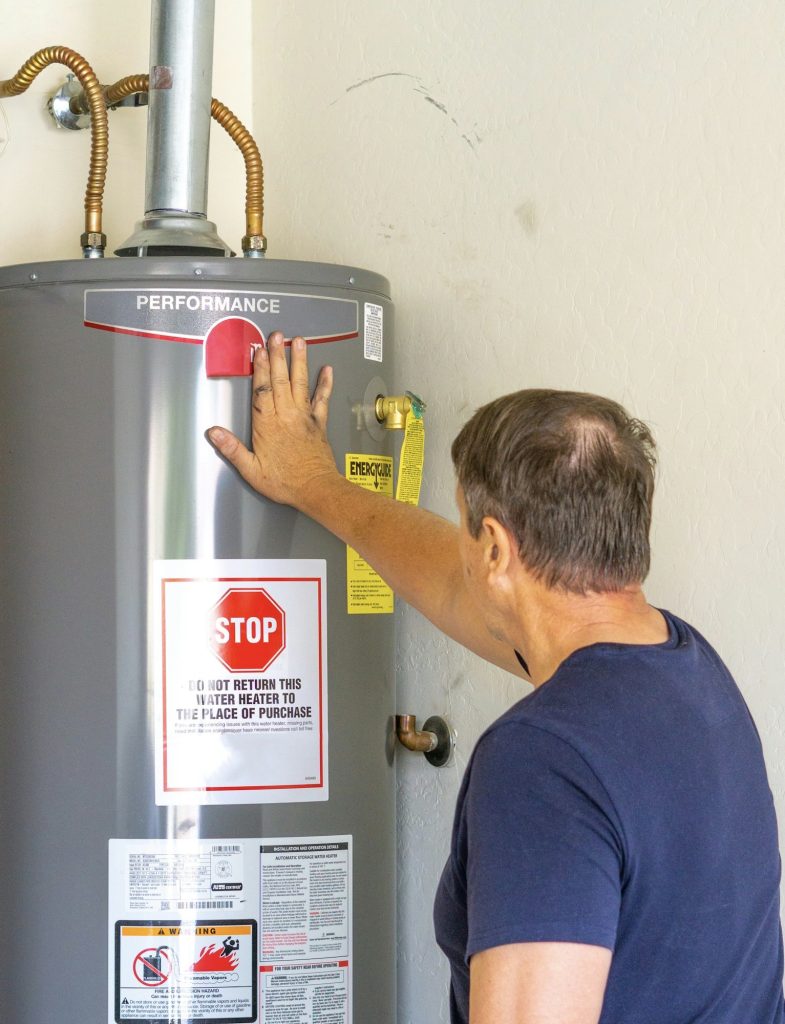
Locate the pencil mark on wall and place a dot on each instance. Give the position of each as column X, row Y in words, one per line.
column 472, row 139
column 375, row 78
column 438, row 105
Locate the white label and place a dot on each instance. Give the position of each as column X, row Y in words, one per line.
column 240, row 673
column 178, row 952
column 373, row 332
column 306, row 929
column 159, row 877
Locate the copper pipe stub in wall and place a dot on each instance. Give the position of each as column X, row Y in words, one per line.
column 435, row 740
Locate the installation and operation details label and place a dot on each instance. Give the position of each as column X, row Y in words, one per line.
column 305, row 928
column 240, row 676
column 231, row 930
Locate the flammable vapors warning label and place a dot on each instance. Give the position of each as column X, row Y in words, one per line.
column 195, row 971
column 366, row 591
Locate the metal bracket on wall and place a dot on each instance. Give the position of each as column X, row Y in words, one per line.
column 436, row 739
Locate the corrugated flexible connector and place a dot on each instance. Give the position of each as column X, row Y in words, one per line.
column 93, row 241
column 254, row 242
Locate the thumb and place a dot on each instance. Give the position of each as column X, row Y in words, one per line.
column 233, row 450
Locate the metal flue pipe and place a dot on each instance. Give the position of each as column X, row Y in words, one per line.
column 178, row 133
column 178, row 121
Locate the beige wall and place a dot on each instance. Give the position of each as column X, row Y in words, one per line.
column 564, row 194
column 43, row 169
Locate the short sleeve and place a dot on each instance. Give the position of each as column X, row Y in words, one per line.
column 542, row 853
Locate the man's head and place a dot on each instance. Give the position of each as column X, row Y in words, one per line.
column 571, row 477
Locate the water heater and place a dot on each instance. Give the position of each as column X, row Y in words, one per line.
column 198, row 818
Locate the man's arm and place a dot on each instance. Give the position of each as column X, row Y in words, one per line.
column 538, row 983
column 291, row 462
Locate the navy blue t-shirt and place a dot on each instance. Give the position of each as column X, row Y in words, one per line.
column 625, row 804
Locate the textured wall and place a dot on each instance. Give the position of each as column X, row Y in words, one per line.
column 563, row 194
column 43, row 169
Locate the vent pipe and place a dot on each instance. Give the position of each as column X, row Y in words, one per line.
column 178, row 134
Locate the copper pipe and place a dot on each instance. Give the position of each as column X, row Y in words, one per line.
column 99, row 128
column 128, row 86
column 411, row 737
column 239, row 134
column 254, row 170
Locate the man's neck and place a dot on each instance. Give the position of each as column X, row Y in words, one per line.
column 553, row 625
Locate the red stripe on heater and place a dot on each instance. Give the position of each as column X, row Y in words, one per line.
column 188, row 340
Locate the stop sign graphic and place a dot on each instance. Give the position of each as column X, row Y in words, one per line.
column 247, row 629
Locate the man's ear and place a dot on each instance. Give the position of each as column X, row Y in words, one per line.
column 498, row 548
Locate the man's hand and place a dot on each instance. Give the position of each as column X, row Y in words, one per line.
column 289, row 450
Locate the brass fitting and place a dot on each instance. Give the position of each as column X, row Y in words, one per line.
column 254, row 245
column 392, row 410
column 93, row 244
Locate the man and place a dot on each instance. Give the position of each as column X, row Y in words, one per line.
column 614, row 855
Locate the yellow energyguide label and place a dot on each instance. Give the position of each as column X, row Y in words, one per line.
column 412, row 457
column 366, row 591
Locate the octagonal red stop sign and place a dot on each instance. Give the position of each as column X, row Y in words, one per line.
column 247, row 629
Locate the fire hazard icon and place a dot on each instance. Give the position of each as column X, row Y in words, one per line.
column 247, row 629
column 221, row 958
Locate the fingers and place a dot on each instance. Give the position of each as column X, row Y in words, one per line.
column 299, row 375
column 233, row 450
column 320, row 403
column 262, row 396
column 279, row 371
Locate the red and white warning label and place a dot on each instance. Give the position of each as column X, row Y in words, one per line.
column 200, row 971
column 306, row 930
column 240, row 681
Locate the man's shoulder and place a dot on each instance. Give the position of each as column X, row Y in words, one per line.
column 608, row 694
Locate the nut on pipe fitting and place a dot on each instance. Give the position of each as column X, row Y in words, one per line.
column 254, row 246
column 435, row 740
column 93, row 245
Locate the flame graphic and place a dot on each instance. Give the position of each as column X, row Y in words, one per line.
column 213, row 958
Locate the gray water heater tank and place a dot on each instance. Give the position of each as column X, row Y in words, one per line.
column 196, row 737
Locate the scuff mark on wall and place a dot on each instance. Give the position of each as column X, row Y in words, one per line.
column 425, row 92
column 375, row 78
column 527, row 216
column 439, row 106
